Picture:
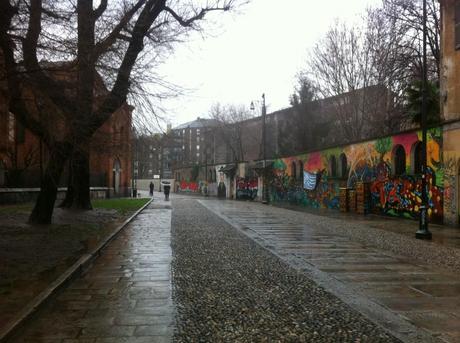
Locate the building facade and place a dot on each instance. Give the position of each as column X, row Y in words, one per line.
column 23, row 156
column 450, row 107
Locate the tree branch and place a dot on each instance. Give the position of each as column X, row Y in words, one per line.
column 199, row 16
column 100, row 9
column 103, row 45
column 49, row 86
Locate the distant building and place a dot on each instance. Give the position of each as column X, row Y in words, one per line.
column 188, row 145
column 147, row 156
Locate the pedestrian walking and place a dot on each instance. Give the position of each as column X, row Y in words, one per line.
column 152, row 187
column 166, row 189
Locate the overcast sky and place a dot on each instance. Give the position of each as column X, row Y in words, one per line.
column 258, row 50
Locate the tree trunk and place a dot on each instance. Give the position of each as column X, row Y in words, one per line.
column 43, row 209
column 78, row 192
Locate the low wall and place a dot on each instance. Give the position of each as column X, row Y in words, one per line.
column 20, row 195
column 144, row 184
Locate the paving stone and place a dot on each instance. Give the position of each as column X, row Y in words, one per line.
column 229, row 289
column 107, row 331
column 107, row 303
column 370, row 264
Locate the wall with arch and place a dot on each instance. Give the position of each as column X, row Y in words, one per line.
column 394, row 191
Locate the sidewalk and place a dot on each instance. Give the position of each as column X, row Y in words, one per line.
column 410, row 287
column 34, row 257
column 126, row 294
column 442, row 234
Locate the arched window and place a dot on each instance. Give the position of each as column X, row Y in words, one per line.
column 399, row 160
column 210, row 175
column 333, row 166
column 301, row 171
column 343, row 165
column 417, row 157
column 293, row 170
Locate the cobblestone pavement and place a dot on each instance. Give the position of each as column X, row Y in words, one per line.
column 415, row 301
column 124, row 297
column 227, row 288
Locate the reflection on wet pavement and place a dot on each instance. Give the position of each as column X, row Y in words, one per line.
column 421, row 295
column 124, row 296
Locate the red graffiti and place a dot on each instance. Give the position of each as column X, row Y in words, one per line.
column 242, row 183
column 189, row 186
column 404, row 193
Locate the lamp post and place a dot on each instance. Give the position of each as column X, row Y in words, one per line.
column 135, row 160
column 264, row 156
column 423, row 231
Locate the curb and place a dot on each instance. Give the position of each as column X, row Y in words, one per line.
column 83, row 263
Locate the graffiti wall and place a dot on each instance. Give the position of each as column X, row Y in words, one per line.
column 202, row 187
column 451, row 165
column 391, row 166
column 189, row 186
column 220, row 185
column 246, row 188
column 289, row 188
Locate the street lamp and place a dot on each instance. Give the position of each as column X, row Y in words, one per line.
column 135, row 162
column 423, row 231
column 264, row 156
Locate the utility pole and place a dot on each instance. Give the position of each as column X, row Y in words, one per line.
column 423, row 231
column 264, row 151
column 135, row 163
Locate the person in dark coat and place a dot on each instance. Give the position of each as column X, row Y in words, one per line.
column 166, row 189
column 152, row 187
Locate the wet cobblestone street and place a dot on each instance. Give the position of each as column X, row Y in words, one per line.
column 229, row 289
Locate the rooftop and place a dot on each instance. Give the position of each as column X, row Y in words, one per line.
column 197, row 123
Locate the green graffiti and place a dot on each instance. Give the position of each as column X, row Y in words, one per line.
column 383, row 145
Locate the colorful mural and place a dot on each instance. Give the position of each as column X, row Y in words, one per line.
column 451, row 167
column 202, row 187
column 286, row 188
column 370, row 162
column 246, row 188
column 186, row 186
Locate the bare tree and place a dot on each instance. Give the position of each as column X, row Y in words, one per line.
column 130, row 33
column 359, row 71
column 407, row 18
column 231, row 121
column 365, row 70
column 296, row 126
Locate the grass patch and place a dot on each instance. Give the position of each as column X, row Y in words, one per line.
column 123, row 206
column 16, row 208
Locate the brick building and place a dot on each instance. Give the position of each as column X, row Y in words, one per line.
column 23, row 156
